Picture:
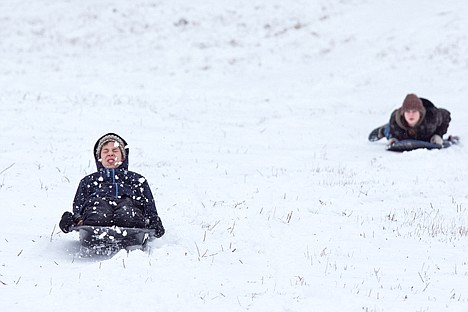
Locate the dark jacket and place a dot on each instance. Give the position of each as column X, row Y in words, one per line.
column 115, row 184
column 434, row 121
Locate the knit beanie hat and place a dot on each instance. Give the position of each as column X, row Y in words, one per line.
column 111, row 138
column 413, row 102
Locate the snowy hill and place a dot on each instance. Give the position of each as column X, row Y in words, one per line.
column 250, row 122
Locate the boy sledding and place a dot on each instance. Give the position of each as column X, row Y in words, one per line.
column 113, row 206
column 418, row 123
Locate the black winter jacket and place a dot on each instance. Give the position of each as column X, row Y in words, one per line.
column 115, row 184
column 434, row 121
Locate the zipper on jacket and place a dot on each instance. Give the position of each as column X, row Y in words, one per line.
column 116, row 186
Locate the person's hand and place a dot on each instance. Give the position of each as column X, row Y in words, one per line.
column 66, row 222
column 392, row 141
column 154, row 222
column 437, row 139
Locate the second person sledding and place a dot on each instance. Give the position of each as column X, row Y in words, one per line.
column 417, row 119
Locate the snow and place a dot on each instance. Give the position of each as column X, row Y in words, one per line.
column 249, row 120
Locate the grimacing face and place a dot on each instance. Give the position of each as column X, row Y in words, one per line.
column 412, row 117
column 111, row 156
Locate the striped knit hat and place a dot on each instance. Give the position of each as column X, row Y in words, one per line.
column 111, row 138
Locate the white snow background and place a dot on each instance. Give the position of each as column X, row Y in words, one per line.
column 250, row 121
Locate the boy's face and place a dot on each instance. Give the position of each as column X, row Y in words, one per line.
column 412, row 117
column 111, row 156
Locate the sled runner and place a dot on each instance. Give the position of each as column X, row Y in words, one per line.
column 106, row 240
column 409, row 145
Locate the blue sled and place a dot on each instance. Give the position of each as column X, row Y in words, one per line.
column 409, row 145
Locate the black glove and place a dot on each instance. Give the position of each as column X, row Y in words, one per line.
column 154, row 222
column 66, row 222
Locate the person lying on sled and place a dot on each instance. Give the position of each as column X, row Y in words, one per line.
column 416, row 119
column 113, row 195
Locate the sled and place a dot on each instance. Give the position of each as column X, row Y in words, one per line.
column 106, row 240
column 409, row 145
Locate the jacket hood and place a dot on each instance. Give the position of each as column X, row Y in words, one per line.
column 428, row 108
column 400, row 119
column 99, row 165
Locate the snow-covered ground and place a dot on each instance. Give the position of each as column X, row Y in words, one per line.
column 250, row 121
